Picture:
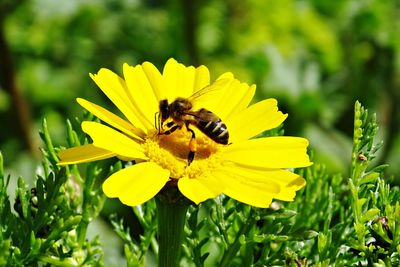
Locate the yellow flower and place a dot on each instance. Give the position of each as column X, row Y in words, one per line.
column 252, row 171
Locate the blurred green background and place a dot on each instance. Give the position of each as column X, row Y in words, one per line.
column 317, row 57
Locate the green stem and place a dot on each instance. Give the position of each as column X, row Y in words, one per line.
column 248, row 258
column 172, row 208
column 86, row 205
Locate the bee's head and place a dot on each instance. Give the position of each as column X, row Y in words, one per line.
column 164, row 110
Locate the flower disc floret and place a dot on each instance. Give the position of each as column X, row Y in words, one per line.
column 170, row 152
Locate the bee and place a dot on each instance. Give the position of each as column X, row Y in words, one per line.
column 182, row 114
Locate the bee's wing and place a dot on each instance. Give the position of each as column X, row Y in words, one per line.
column 204, row 115
column 211, row 92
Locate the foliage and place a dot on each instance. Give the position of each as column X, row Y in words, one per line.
column 50, row 219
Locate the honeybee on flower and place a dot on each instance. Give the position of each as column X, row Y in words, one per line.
column 181, row 114
column 203, row 145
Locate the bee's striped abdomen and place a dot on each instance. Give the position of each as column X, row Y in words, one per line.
column 213, row 127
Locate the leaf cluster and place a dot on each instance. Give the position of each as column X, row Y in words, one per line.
column 135, row 251
column 47, row 224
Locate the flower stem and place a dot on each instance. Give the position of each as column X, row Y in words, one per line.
column 172, row 207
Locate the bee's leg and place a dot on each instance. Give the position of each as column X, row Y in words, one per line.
column 192, row 145
column 170, row 124
column 172, row 129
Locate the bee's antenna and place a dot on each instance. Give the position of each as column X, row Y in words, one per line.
column 156, row 120
column 159, row 122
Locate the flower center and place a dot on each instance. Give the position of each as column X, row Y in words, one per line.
column 171, row 152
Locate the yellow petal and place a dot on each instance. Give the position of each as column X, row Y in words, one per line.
column 226, row 75
column 227, row 96
column 287, row 182
column 199, row 189
column 185, row 81
column 284, row 177
column 156, row 80
column 170, row 77
column 178, row 79
column 116, row 90
column 141, row 93
column 111, row 119
column 249, row 192
column 112, row 140
column 270, row 152
column 288, row 192
column 257, row 118
column 209, row 97
column 136, row 184
column 234, row 95
column 202, row 78
column 251, row 176
column 244, row 102
column 81, row 154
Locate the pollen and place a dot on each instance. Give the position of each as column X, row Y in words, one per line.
column 171, row 153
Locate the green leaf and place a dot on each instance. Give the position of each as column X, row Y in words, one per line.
column 369, row 215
